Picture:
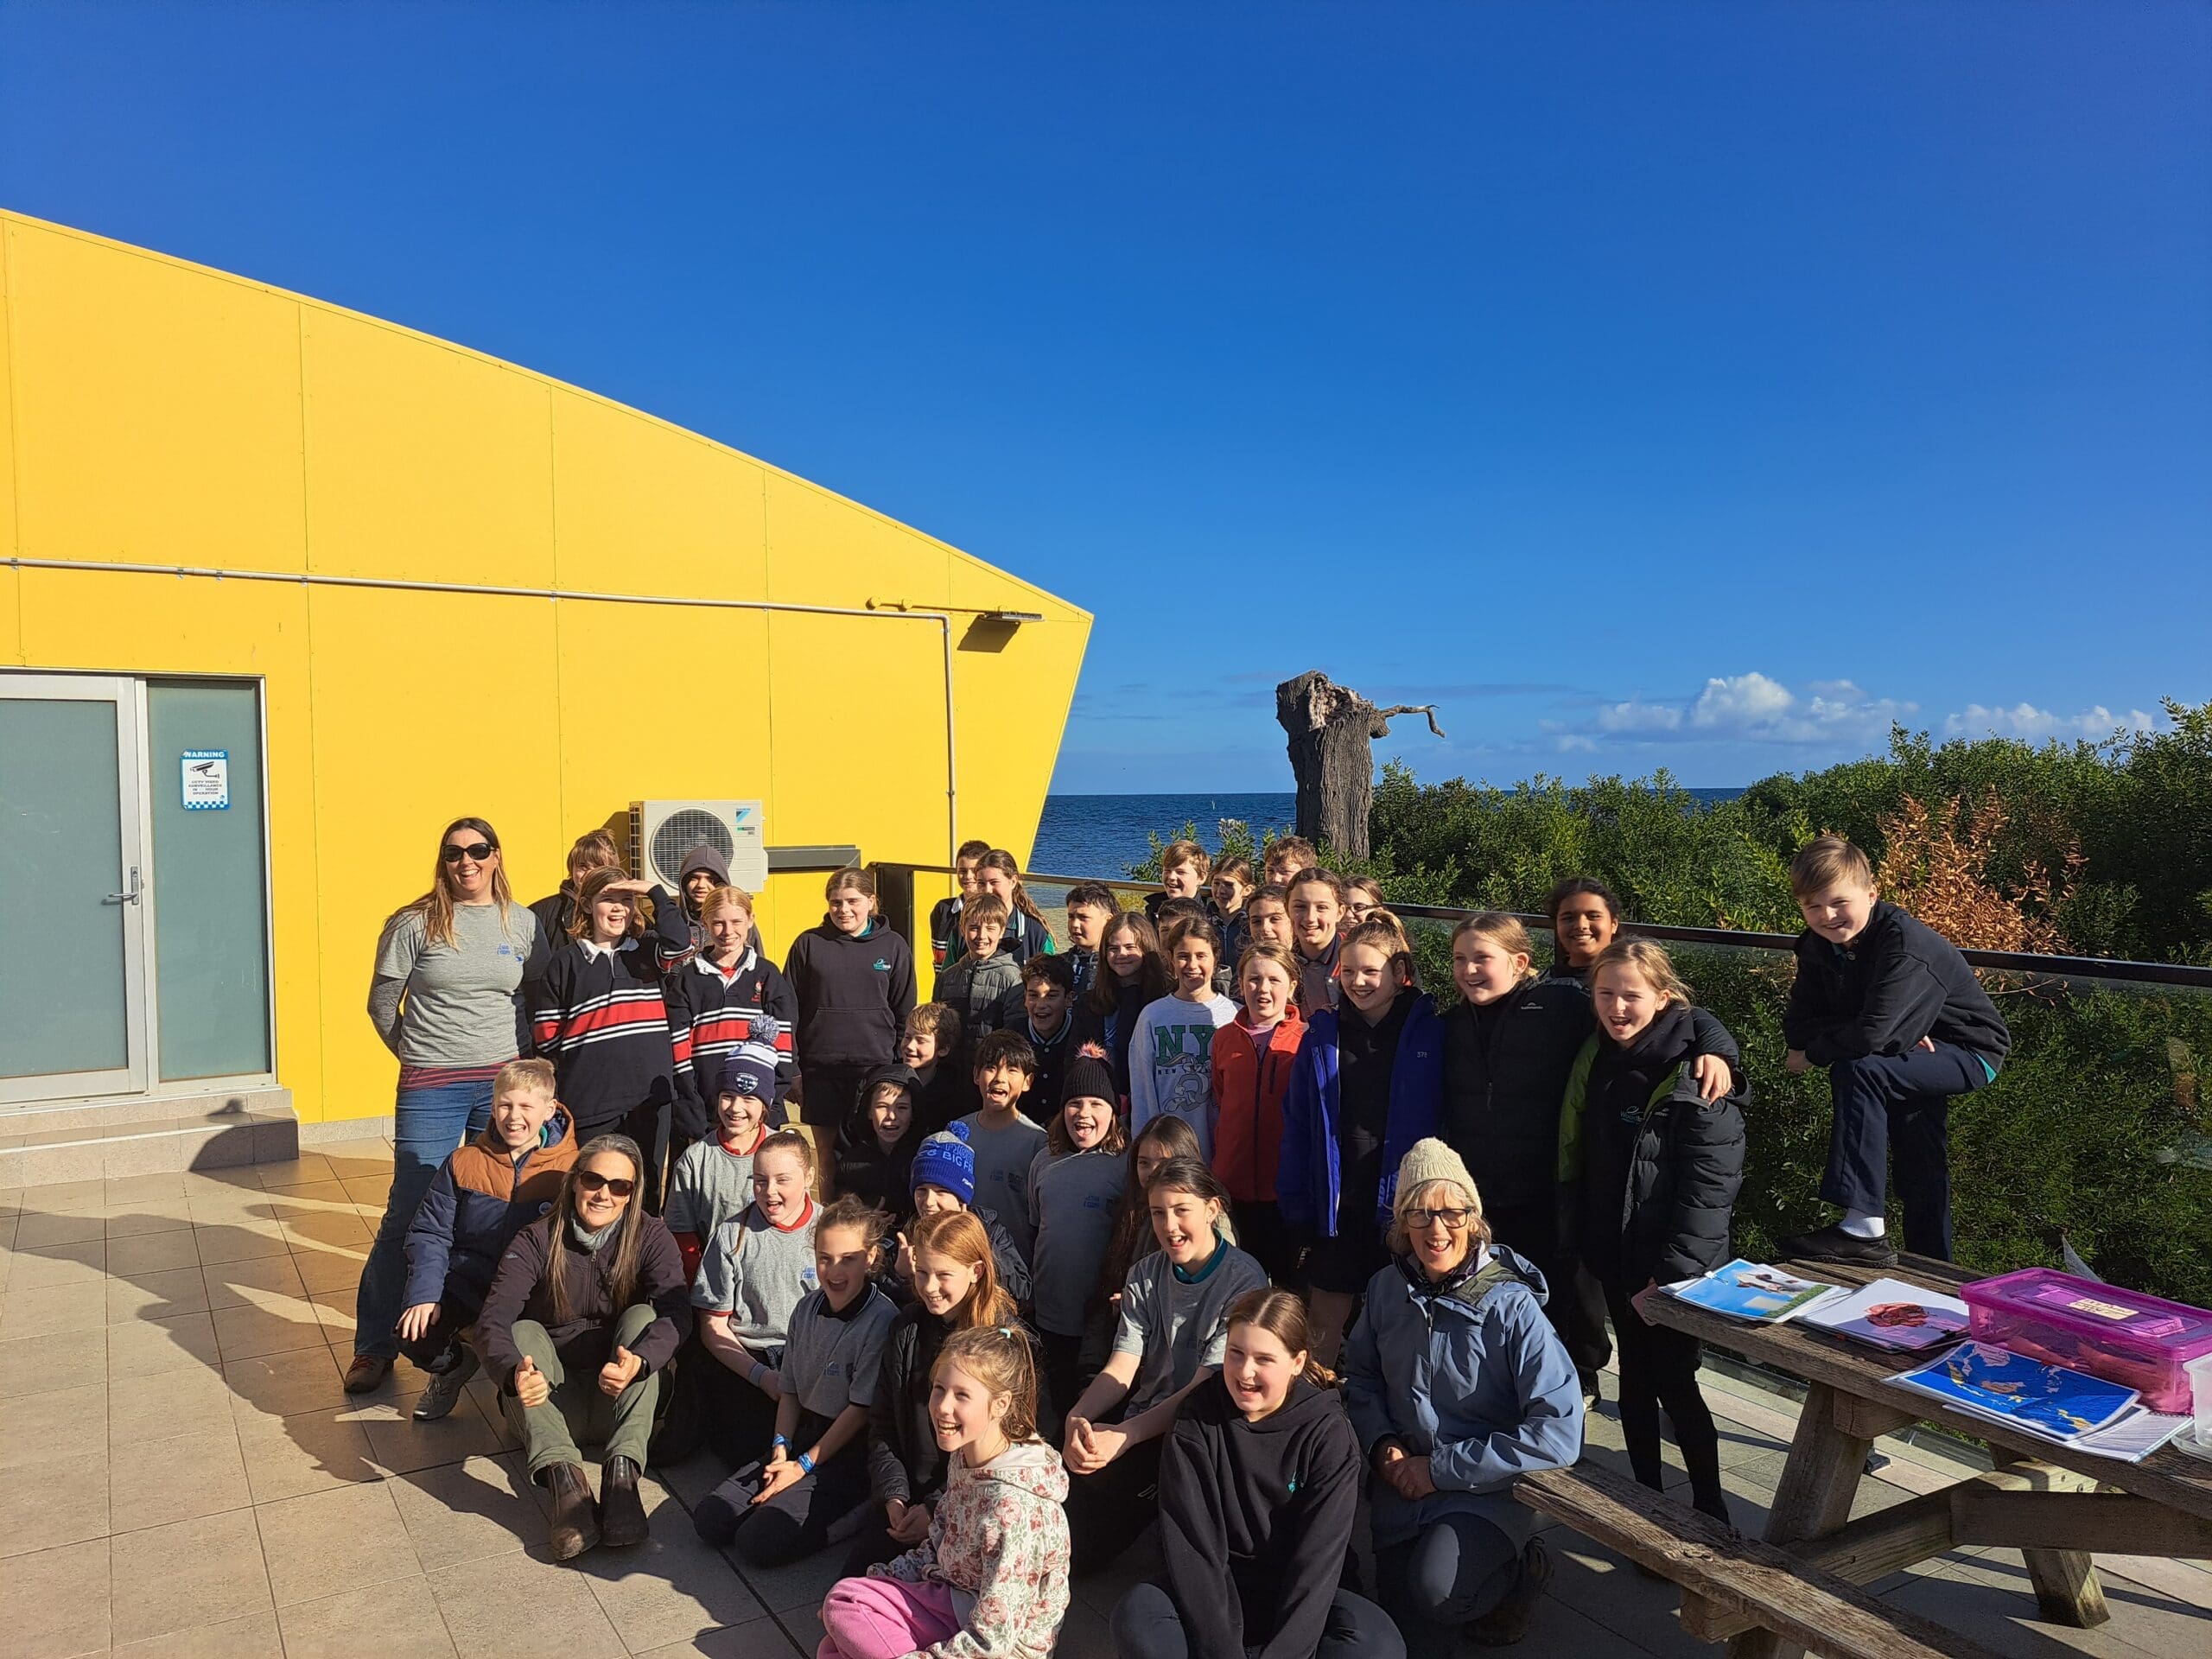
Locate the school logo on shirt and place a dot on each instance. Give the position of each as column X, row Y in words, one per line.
column 1094, row 1202
column 881, row 966
column 806, row 1277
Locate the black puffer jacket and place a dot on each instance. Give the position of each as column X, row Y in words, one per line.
column 1506, row 1068
column 1653, row 1170
column 1898, row 981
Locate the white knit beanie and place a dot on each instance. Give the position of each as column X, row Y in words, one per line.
column 1430, row 1160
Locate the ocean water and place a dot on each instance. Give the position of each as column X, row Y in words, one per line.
column 1104, row 835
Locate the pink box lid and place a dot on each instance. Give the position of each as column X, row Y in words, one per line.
column 2106, row 1312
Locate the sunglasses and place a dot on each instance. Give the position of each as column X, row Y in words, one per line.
column 591, row 1180
column 452, row 853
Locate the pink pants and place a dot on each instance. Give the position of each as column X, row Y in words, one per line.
column 883, row 1619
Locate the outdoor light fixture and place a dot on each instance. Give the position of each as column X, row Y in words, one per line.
column 1013, row 618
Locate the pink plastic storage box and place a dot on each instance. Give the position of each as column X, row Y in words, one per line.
column 2139, row 1342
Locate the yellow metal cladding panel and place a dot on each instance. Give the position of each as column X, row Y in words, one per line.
column 658, row 703
column 1014, row 686
column 11, row 638
column 424, row 462
column 643, row 508
column 158, row 409
column 823, row 549
column 428, row 707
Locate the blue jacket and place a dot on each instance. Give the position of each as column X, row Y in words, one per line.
column 1307, row 1177
column 1471, row 1378
column 478, row 1201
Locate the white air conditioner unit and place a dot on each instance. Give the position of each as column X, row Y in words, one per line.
column 663, row 833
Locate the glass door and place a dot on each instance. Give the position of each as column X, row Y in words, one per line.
column 72, row 888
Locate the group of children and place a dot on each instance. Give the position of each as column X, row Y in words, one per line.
column 1078, row 1243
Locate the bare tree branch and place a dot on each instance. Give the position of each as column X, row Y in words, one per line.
column 1383, row 717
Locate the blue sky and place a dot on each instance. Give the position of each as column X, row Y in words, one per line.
column 1700, row 385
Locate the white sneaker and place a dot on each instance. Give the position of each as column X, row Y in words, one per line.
column 444, row 1392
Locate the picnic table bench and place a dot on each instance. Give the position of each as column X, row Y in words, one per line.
column 2038, row 1499
column 1718, row 1567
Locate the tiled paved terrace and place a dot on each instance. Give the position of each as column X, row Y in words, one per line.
column 181, row 1473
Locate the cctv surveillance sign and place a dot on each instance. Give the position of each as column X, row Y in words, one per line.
column 206, row 780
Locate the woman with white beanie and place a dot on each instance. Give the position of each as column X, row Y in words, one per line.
column 1456, row 1383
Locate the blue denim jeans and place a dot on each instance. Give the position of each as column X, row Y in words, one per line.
column 429, row 1122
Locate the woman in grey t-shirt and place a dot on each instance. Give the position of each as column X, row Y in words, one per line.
column 444, row 1000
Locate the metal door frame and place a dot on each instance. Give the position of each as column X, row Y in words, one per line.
column 127, row 695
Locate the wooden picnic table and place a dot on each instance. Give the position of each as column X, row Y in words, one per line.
column 2038, row 1499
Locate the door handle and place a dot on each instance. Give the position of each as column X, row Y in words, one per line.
column 135, row 893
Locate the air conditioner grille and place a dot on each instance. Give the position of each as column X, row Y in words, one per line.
column 678, row 833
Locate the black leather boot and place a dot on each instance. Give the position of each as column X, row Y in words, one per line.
column 621, row 1516
column 574, row 1526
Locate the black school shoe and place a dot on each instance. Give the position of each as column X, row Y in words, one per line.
column 1833, row 1244
column 1508, row 1622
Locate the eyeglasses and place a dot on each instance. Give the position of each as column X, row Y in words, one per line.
column 454, row 853
column 1455, row 1221
column 591, row 1180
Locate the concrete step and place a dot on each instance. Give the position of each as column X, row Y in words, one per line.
column 44, row 1146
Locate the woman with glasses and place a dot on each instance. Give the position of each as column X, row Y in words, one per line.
column 445, row 1000
column 584, row 1313
column 1456, row 1383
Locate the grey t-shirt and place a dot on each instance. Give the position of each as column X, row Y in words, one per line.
column 709, row 1185
column 1178, row 1329
column 458, row 1006
column 1075, row 1195
column 1002, row 1162
column 758, row 1274
column 830, row 1361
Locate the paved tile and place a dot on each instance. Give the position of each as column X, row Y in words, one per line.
column 309, row 1168
column 670, row 1588
column 144, row 1347
column 151, row 1253
column 342, row 1539
column 470, row 1510
column 252, row 1332
column 402, row 1612
column 253, row 1636
column 154, row 1482
column 160, row 1216
column 41, row 1365
column 166, row 1404
column 54, row 1604
column 36, row 1234
column 763, row 1638
column 282, row 1385
column 187, row 1574
column 313, row 1451
column 254, row 1282
column 237, row 1240
column 46, row 1505
column 156, row 1295
column 62, row 1423
column 55, row 1308
column 525, row 1609
column 77, row 1267
column 328, row 1269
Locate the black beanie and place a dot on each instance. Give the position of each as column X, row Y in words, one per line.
column 1089, row 1077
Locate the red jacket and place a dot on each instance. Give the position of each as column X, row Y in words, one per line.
column 1248, row 1092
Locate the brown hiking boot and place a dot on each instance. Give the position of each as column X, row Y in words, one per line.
column 366, row 1372
column 573, row 1526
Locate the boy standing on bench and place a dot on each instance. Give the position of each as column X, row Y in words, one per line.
column 1890, row 1009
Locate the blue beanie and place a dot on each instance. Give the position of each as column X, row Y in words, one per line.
column 751, row 1068
column 944, row 1160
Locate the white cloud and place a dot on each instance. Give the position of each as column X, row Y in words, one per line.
column 1740, row 702
column 1637, row 715
column 2025, row 720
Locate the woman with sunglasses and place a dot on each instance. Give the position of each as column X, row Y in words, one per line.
column 584, row 1313
column 1456, row 1383
column 446, row 1000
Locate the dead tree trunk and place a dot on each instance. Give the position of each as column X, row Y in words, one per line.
column 1331, row 729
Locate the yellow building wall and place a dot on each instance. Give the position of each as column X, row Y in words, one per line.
column 160, row 413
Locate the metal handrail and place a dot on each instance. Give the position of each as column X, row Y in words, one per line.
column 2187, row 975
